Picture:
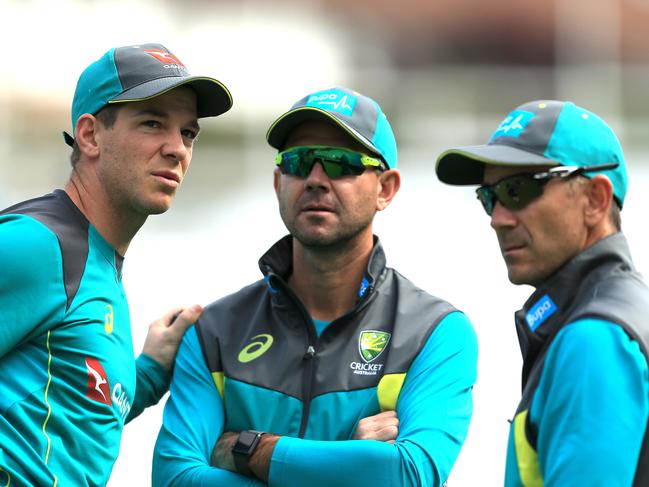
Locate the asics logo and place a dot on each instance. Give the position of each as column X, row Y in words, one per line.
column 108, row 319
column 256, row 348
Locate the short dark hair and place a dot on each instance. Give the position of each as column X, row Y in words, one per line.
column 107, row 116
column 614, row 216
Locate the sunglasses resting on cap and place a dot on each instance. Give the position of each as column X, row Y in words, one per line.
column 336, row 162
column 519, row 190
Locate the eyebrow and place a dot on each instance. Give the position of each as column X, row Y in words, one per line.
column 159, row 113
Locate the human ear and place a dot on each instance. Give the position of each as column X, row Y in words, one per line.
column 276, row 181
column 389, row 184
column 599, row 197
column 86, row 136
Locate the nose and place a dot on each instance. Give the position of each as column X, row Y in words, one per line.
column 175, row 147
column 317, row 178
column 501, row 217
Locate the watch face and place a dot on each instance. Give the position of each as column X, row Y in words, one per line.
column 247, row 441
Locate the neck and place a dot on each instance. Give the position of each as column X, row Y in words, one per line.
column 117, row 225
column 327, row 279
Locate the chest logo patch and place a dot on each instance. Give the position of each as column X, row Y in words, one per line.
column 98, row 388
column 108, row 319
column 256, row 349
column 371, row 344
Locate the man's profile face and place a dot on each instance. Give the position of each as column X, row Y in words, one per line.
column 317, row 210
column 535, row 241
column 144, row 156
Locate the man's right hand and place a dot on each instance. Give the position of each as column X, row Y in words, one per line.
column 380, row 427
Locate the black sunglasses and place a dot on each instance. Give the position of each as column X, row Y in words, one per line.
column 336, row 161
column 517, row 191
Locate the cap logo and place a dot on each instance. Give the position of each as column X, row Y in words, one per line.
column 514, row 124
column 333, row 101
column 165, row 57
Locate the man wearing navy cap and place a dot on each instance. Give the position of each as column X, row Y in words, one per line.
column 294, row 374
column 553, row 181
column 66, row 356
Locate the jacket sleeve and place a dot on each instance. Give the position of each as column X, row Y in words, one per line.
column 434, row 410
column 591, row 406
column 192, row 423
column 32, row 292
column 152, row 384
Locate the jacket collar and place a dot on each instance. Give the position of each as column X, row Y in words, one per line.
column 277, row 263
column 543, row 313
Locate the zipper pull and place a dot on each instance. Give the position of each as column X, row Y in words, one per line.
column 310, row 352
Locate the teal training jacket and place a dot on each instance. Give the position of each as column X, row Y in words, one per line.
column 255, row 361
column 66, row 357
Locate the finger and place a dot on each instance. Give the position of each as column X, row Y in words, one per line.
column 387, row 434
column 386, row 415
column 187, row 317
column 169, row 316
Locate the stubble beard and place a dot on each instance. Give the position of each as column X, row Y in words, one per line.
column 339, row 237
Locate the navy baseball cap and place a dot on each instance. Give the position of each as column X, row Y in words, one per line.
column 541, row 133
column 360, row 116
column 140, row 72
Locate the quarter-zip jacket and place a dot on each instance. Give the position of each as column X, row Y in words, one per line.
column 584, row 336
column 398, row 348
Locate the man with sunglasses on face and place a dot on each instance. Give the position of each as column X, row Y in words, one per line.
column 553, row 181
column 297, row 373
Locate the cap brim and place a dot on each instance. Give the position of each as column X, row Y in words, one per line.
column 465, row 165
column 212, row 97
column 282, row 127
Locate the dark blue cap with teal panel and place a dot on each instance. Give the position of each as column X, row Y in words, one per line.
column 140, row 72
column 541, row 133
column 360, row 116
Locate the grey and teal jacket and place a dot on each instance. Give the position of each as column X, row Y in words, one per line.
column 66, row 357
column 584, row 335
column 255, row 360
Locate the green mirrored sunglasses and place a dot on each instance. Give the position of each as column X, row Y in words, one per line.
column 336, row 161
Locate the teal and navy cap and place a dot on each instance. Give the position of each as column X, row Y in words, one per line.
column 541, row 133
column 140, row 72
column 357, row 114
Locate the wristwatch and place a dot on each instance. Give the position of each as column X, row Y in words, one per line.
column 244, row 448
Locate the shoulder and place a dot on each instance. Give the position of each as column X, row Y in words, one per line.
column 592, row 337
column 412, row 299
column 26, row 242
column 454, row 333
column 594, row 347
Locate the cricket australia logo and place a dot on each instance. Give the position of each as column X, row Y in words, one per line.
column 371, row 344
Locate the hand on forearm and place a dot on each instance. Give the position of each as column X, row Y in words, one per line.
column 380, row 427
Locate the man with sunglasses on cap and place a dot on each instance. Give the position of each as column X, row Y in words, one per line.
column 553, row 181
column 296, row 373
column 66, row 356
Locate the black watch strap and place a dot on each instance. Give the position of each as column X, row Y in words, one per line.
column 244, row 448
